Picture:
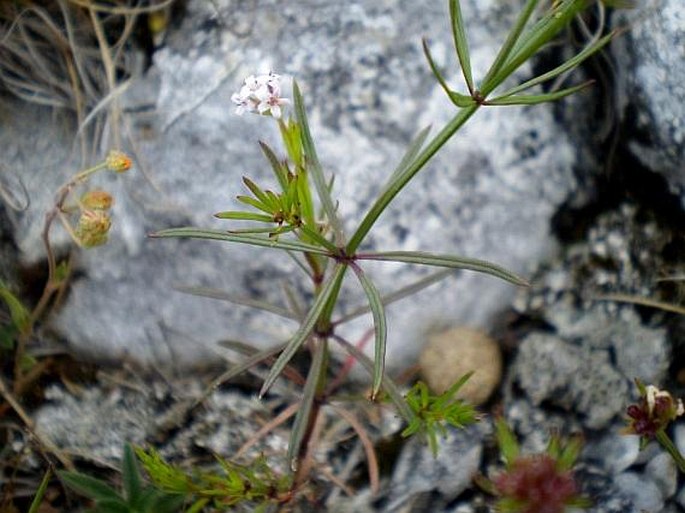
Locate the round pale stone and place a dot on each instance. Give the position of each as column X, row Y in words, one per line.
column 450, row 354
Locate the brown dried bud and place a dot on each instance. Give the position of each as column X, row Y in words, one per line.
column 93, row 227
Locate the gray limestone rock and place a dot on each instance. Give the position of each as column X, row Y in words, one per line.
column 643, row 493
column 417, row 471
column 651, row 86
column 552, row 370
column 615, row 453
column 490, row 194
column 664, row 472
column 95, row 424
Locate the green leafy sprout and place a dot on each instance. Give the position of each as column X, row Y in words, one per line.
column 255, row 484
column 433, row 413
column 302, row 218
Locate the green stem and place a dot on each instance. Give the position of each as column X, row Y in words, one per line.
column 396, row 186
column 86, row 173
column 670, row 447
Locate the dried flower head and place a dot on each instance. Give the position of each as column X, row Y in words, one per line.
column 655, row 410
column 118, row 161
column 534, row 484
column 260, row 94
column 93, row 227
column 97, row 200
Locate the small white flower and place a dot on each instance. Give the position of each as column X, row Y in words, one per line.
column 260, row 94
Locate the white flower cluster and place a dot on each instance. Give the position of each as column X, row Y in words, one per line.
column 260, row 94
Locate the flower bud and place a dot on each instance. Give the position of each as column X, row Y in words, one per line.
column 97, row 200
column 118, row 161
column 93, row 227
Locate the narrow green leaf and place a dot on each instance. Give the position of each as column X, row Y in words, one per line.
column 276, row 165
column 211, row 293
column 21, row 318
column 244, row 216
column 88, row 486
column 461, row 43
column 451, row 261
column 304, row 196
column 292, row 138
column 508, row 445
column 448, row 395
column 380, row 328
column 322, row 300
column 494, row 77
column 249, row 200
column 303, row 417
column 398, row 295
column 534, row 99
column 460, row 100
column 314, row 166
column 563, row 68
column 40, row 493
column 643, row 301
column 261, row 195
column 273, row 231
column 130, row 475
column 389, row 385
column 252, row 240
column 434, row 68
column 289, row 201
column 316, row 237
column 539, row 35
column 274, row 199
column 198, row 506
column 292, row 299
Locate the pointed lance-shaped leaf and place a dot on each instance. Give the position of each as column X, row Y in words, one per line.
column 494, row 77
column 399, row 294
column 534, row 99
column 314, row 166
column 540, row 34
column 89, row 486
column 237, row 215
column 130, row 474
column 461, row 43
column 252, row 240
column 258, row 193
column 277, row 166
column 563, row 68
column 451, row 261
column 460, row 100
column 303, row 418
column 249, row 200
column 380, row 327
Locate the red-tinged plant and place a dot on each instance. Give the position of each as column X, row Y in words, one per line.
column 535, row 483
column 651, row 415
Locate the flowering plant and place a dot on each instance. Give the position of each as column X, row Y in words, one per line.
column 302, row 218
column 652, row 415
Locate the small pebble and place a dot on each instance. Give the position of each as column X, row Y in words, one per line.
column 452, row 353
